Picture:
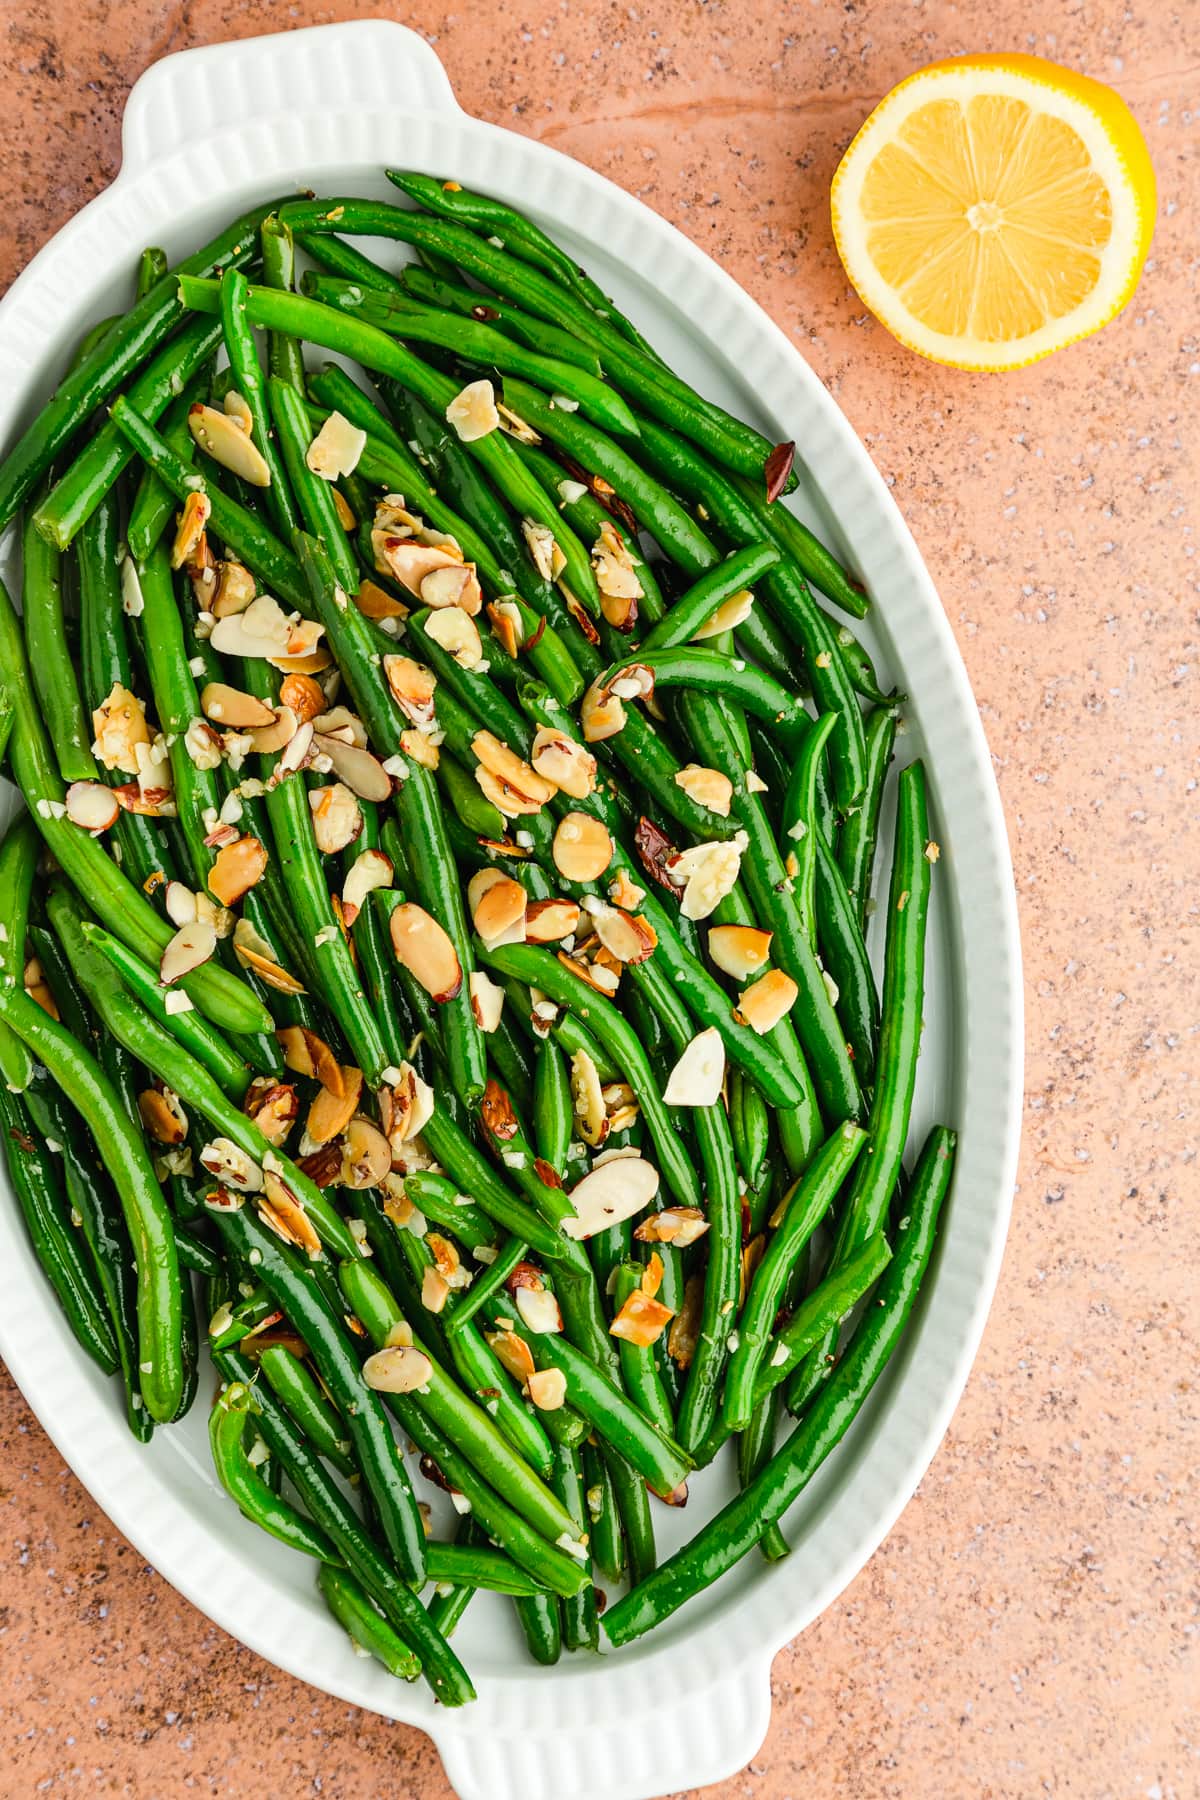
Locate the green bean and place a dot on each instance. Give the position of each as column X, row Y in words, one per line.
column 340, row 258
column 439, row 1199
column 639, row 1370
column 606, row 1540
column 540, row 1620
column 821, row 1312
column 355, row 1611
column 285, row 358
column 580, row 1619
column 695, row 608
column 125, row 1156
column 122, row 350
column 552, row 1111
column 844, row 957
column 245, row 1486
column 50, row 660
column 739, row 1525
column 861, row 671
column 447, row 1605
column 313, row 494
column 152, row 266
column 153, row 503
column 633, row 1507
column 194, row 1254
column 799, row 822
column 856, row 846
column 55, row 1244
column 297, row 1389
column 475, row 1565
column 18, row 865
column 247, row 376
column 817, row 564
column 473, row 1174
column 452, row 296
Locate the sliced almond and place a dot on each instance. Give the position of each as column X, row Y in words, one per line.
column 91, row 806
column 547, row 557
column 405, row 1107
column 697, row 1077
column 180, row 903
column 236, row 868
column 235, row 590
column 268, row 739
column 336, row 449
column 582, row 847
column 38, row 988
column 149, row 802
column 549, row 921
column 303, row 696
column 258, row 630
column 505, row 617
column 624, row 935
column 604, row 980
column 120, row 727
column 273, row 1105
column 729, row 615
column 336, row 816
column 339, row 722
column 547, row 1389
column 635, row 681
column 413, row 687
column 601, row 713
column 587, row 1101
column 641, row 1320
column 513, row 1354
column 366, row 1154
column 435, row 1290
column 205, row 747
column 234, row 710
column 564, row 763
column 374, row 602
column 739, row 950
column 189, row 529
column 282, row 1211
column 329, row 1114
column 307, row 1054
column 472, row 412
column 163, row 1116
column 678, row 1225
column 496, row 1111
column 345, row 512
column 487, row 1000
column 231, row 1166
column 191, row 946
column 313, row 662
column 498, row 907
column 457, row 634
column 507, row 766
column 410, row 562
column 454, row 586
column 222, row 439
column 707, row 787
column 624, row 892
column 238, row 409
column 398, row 1369
column 367, row 872
column 539, row 1310
column 707, row 873
column 612, row 1192
column 251, row 956
column 425, row 950
column 361, row 772
column 504, row 797
column 766, row 1001
column 421, row 748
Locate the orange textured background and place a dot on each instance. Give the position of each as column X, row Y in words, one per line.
column 1030, row 1626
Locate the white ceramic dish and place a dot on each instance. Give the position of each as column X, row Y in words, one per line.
column 205, row 134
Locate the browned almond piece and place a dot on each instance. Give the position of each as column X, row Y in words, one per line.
column 163, row 1116
column 641, row 1320
column 413, row 687
column 766, row 1001
column 267, row 970
column 345, row 512
column 336, row 816
column 507, row 799
column 362, row 773
column 324, row 1166
column 472, row 412
column 698, row 1076
column 329, row 1114
column 547, row 1389
column 539, row 1309
column 487, row 1000
column 587, row 1100
column 564, row 763
column 612, row 1192
column 238, row 409
column 652, row 1280
column 729, row 615
column 280, row 1209
column 505, row 623
column 455, row 632
column 219, row 437
column 280, row 732
column 236, row 868
column 374, row 602
column 624, row 935
column 191, row 946
column 496, row 1111
column 739, row 950
column 410, row 562
column 707, row 787
column 420, row 747
column 304, row 696
column 549, row 921
column 582, row 848
column 307, row 1054
column 425, row 950
column 120, row 728
column 508, row 767
column 366, row 1154
column 189, row 530
column 603, row 980
column 397, row 1369
column 273, row 1105
column 684, row 1334
column 313, row 662
column 234, row 591
column 234, row 710
column 513, row 1353
column 679, row 1225
column 38, row 989
column 231, row 1166
column 435, row 1290
column 371, row 870
column 621, row 610
column 150, row 802
column 456, row 587
column 497, row 904
column 601, row 714
column 91, row 806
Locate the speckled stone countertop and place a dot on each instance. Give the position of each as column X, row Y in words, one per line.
column 1029, row 1627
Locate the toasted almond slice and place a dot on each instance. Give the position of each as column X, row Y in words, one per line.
column 329, row 1114
column 513, row 1354
column 91, row 806
column 231, row 1166
column 119, row 724
column 697, row 1077
column 641, row 1320
column 307, row 1054
column 374, row 602
column 345, row 512
column 472, row 412
column 234, row 710
column 163, row 1116
column 456, row 585
column 205, row 747
column 409, row 1105
column 236, row 868
column 314, row 662
column 180, row 903
column 634, row 682
column 410, row 562
column 339, row 722
column 582, row 848
column 707, row 873
column 435, row 1290
column 265, row 967
column 371, row 870
column 38, row 988
column 539, row 1310
column 612, row 1192
column 729, row 615
column 366, row 1154
column 487, row 1000
column 457, row 634
column 150, row 802
column 496, row 1111
column 547, row 1389
column 505, row 798
column 549, row 921
column 191, row 946
column 219, row 437
column 548, row 558
column 259, row 629
column 273, row 1105
column 335, row 450
column 336, row 816
column 425, row 950
column 505, row 617
column 397, row 1369
column 507, row 766
column 587, row 1100
column 605, row 981
column 282, row 1211
column 421, row 748
column 235, row 590
column 601, row 713
column 678, row 1225
column 282, row 729
column 238, row 410
column 413, row 687
column 739, row 950
column 447, row 1261
column 766, row 1001
column 613, row 565
column 498, row 907
column 707, row 787
column 361, row 772
column 624, row 892
column 564, row 763
column 303, row 696
column 624, row 935
column 194, row 516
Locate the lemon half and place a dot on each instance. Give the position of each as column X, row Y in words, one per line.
column 995, row 208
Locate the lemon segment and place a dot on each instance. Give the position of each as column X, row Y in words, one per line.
column 995, row 208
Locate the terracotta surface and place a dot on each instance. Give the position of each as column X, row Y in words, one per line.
column 1029, row 1628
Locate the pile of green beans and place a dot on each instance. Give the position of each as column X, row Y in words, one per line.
column 538, row 1213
